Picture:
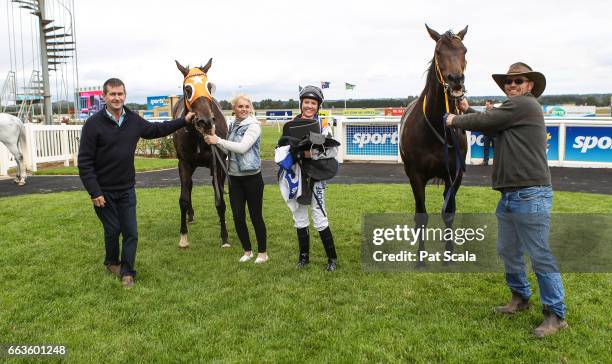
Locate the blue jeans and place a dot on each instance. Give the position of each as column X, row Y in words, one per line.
column 523, row 218
column 118, row 216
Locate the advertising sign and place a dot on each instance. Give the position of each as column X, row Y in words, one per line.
column 552, row 144
column 588, row 143
column 157, row 102
column 279, row 115
column 372, row 140
column 569, row 110
column 90, row 102
column 360, row 112
column 394, row 111
column 477, row 145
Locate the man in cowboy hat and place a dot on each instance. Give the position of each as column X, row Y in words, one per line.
column 521, row 174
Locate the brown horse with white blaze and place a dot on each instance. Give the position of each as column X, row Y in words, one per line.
column 428, row 148
column 191, row 150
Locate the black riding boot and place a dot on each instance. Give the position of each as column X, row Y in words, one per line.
column 304, row 241
column 328, row 243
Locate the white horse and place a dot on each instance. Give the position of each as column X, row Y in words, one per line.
column 12, row 134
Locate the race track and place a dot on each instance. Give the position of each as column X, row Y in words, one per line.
column 589, row 180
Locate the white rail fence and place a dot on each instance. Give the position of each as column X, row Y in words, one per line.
column 44, row 144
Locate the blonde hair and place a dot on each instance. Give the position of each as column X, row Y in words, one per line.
column 242, row 96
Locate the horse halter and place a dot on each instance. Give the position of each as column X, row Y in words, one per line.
column 197, row 81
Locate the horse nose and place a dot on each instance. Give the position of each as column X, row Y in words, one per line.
column 205, row 123
column 455, row 78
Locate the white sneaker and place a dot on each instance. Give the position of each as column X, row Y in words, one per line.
column 261, row 260
column 246, row 258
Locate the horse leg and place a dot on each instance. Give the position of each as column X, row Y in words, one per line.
column 20, row 175
column 221, row 207
column 190, row 219
column 185, row 173
column 418, row 183
column 448, row 215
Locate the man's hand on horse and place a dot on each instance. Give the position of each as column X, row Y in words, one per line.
column 189, row 117
column 212, row 137
column 99, row 201
column 448, row 119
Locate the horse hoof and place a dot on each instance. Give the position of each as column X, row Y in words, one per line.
column 226, row 245
column 190, row 221
column 420, row 264
column 20, row 183
column 183, row 243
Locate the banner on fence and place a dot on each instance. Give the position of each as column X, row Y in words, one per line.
column 279, row 115
column 588, row 143
column 372, row 140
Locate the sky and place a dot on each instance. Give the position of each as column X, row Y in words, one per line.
column 267, row 48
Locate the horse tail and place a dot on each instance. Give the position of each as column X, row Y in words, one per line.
column 22, row 136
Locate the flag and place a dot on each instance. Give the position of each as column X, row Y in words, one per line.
column 348, row 86
column 325, row 84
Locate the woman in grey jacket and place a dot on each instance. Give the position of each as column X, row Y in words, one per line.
column 246, row 183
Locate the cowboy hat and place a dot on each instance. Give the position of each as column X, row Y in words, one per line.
column 520, row 68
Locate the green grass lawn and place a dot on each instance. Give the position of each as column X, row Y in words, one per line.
column 269, row 137
column 141, row 164
column 201, row 305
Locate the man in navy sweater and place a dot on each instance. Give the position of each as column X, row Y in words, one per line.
column 106, row 168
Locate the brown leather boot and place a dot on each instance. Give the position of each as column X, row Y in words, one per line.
column 114, row 269
column 551, row 324
column 517, row 303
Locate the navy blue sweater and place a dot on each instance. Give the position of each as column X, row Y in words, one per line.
column 106, row 152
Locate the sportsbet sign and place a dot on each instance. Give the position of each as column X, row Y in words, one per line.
column 552, row 144
column 575, row 142
column 588, row 143
column 372, row 140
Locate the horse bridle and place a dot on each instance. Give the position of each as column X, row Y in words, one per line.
column 445, row 86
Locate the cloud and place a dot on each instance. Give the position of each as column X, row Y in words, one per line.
column 269, row 48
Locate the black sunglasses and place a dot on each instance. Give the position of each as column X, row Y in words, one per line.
column 517, row 81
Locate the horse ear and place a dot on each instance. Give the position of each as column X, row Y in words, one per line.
column 207, row 66
column 212, row 88
column 433, row 34
column 461, row 34
column 184, row 70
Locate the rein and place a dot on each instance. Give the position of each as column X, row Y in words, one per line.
column 459, row 162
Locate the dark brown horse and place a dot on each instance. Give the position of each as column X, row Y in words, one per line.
column 428, row 148
column 191, row 150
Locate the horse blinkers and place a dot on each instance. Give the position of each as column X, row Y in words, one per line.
column 197, row 93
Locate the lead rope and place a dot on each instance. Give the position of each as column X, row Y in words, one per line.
column 459, row 162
